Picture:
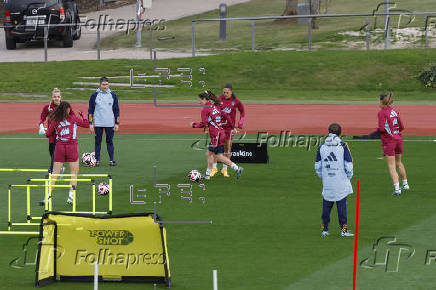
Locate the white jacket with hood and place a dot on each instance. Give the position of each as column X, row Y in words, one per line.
column 334, row 165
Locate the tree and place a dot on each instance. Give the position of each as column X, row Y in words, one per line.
column 290, row 9
column 315, row 6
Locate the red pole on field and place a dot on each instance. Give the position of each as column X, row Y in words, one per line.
column 356, row 235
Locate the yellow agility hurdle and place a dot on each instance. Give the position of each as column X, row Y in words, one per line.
column 23, row 170
column 93, row 175
column 48, row 196
column 28, row 214
column 19, row 170
column 49, row 206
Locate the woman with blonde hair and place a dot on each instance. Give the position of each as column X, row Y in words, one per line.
column 44, row 121
column 390, row 127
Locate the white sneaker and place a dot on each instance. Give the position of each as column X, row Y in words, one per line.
column 70, row 198
column 239, row 172
column 396, row 193
column 405, row 187
column 324, row 233
column 346, row 234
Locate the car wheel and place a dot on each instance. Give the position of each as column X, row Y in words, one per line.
column 68, row 38
column 10, row 43
column 78, row 33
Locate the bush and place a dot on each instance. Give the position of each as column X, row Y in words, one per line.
column 428, row 77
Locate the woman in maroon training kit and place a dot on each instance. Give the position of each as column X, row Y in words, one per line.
column 63, row 125
column 212, row 118
column 46, row 112
column 229, row 105
column 390, row 127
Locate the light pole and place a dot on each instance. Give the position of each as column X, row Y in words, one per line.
column 141, row 5
column 223, row 23
column 387, row 28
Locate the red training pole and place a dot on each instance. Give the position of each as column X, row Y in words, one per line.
column 356, row 235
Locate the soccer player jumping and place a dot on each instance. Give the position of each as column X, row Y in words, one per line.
column 390, row 127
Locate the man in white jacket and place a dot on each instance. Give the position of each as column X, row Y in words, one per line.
column 334, row 165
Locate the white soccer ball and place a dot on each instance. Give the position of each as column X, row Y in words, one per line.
column 86, row 157
column 194, row 175
column 103, row 188
column 92, row 160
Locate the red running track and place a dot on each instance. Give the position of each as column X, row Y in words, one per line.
column 299, row 119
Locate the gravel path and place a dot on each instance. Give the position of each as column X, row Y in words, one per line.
column 83, row 48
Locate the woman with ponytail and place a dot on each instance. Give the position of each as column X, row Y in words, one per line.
column 63, row 127
column 229, row 105
column 212, row 118
column 390, row 127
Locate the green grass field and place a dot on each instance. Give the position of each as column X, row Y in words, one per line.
column 271, row 34
column 284, row 77
column 265, row 232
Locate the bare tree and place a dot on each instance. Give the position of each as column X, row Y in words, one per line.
column 315, row 6
column 290, row 9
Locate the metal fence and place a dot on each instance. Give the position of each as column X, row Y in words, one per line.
column 98, row 30
column 310, row 17
column 100, row 27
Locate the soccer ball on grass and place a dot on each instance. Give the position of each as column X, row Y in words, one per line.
column 194, row 175
column 103, row 188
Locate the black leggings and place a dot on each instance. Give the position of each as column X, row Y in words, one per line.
column 51, row 150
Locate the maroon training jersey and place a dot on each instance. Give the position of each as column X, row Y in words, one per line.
column 229, row 107
column 212, row 117
column 389, row 124
column 46, row 113
column 66, row 130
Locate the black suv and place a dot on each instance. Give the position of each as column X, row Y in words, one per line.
column 24, row 20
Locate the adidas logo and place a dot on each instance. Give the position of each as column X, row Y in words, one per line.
column 331, row 157
column 227, row 110
column 393, row 114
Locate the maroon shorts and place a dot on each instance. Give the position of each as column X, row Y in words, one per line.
column 66, row 153
column 228, row 134
column 217, row 140
column 393, row 147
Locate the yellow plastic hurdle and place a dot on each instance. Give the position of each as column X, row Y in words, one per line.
column 9, row 232
column 47, row 196
column 49, row 205
column 29, row 217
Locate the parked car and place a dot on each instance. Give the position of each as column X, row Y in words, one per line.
column 24, row 20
